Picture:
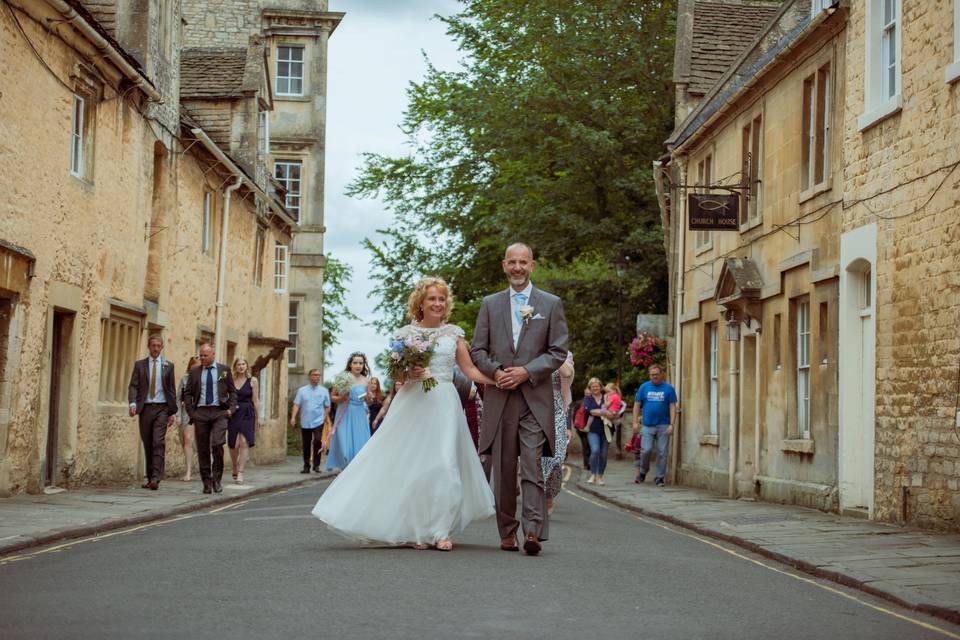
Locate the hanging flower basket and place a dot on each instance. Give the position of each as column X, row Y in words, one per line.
column 647, row 349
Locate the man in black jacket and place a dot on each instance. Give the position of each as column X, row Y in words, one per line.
column 153, row 396
column 210, row 400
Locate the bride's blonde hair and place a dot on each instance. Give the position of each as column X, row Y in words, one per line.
column 415, row 302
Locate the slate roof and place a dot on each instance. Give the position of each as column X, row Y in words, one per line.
column 721, row 32
column 104, row 12
column 216, row 73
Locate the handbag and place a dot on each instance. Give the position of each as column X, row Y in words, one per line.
column 580, row 418
column 634, row 445
column 326, row 434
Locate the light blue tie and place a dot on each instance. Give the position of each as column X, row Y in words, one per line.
column 519, row 299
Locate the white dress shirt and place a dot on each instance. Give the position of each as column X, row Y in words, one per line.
column 516, row 323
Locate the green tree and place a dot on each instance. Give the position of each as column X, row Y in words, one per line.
column 336, row 278
column 546, row 134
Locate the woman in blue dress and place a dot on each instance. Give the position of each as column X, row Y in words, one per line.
column 351, row 428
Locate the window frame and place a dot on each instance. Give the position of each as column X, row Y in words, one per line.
column 289, row 77
column 293, row 351
column 259, row 249
column 878, row 103
column 803, row 369
column 703, row 238
column 713, row 373
column 281, row 267
column 79, row 123
column 952, row 73
column 816, row 6
column 287, row 181
column 120, row 334
column 751, row 142
column 263, row 134
column 816, row 127
column 206, row 224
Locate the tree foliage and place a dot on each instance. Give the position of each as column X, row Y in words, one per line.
column 546, row 134
column 336, row 279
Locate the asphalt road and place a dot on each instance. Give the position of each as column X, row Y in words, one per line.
column 266, row 569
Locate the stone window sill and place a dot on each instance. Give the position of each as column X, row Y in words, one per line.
column 291, row 98
column 751, row 223
column 880, row 113
column 703, row 248
column 798, row 446
column 710, row 440
column 108, row 408
column 814, row 191
column 952, row 73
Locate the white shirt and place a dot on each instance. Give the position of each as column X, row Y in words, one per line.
column 516, row 323
column 155, row 363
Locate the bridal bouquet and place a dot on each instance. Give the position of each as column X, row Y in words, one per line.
column 407, row 353
column 343, row 382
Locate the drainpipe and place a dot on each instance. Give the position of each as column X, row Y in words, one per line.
column 218, row 336
column 756, row 407
column 681, row 238
column 734, row 435
column 107, row 49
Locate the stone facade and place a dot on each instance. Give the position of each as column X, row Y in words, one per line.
column 901, row 193
column 96, row 255
column 297, row 138
column 747, row 428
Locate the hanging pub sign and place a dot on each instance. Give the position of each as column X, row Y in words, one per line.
column 719, row 211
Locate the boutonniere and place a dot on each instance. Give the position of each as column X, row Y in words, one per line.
column 526, row 313
column 223, row 374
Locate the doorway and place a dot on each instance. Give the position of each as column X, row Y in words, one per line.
column 58, row 413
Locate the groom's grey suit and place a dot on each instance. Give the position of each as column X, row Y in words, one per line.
column 519, row 422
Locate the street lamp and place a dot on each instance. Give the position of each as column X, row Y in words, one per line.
column 620, row 265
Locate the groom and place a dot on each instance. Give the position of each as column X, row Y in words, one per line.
column 519, row 341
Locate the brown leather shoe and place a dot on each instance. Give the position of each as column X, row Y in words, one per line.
column 509, row 544
column 532, row 545
column 145, row 485
column 153, row 485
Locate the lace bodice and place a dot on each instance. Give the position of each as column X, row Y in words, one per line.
column 445, row 351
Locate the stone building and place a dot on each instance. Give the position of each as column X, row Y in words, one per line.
column 900, row 262
column 125, row 218
column 844, row 289
column 754, row 308
column 294, row 34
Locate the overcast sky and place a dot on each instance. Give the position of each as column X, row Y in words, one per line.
column 374, row 54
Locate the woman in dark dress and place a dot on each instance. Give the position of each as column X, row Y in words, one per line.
column 241, row 430
column 374, row 402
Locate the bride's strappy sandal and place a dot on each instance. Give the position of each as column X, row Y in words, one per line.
column 445, row 545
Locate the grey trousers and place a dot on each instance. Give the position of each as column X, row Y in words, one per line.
column 520, row 442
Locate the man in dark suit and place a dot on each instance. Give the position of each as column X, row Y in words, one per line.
column 153, row 396
column 210, row 400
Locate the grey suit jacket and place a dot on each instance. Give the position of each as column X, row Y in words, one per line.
column 541, row 349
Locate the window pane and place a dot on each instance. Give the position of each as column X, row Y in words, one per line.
column 296, row 87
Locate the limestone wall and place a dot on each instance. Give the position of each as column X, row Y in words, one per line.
column 917, row 452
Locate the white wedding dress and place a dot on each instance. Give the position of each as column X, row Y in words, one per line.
column 418, row 480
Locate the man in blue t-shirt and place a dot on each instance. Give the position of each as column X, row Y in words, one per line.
column 658, row 401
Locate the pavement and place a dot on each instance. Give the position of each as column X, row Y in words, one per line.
column 38, row 519
column 915, row 569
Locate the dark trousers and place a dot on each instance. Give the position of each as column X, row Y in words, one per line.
column 584, row 448
column 312, row 441
column 520, row 442
column 153, row 434
column 211, row 428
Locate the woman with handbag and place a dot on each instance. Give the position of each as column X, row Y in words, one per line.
column 593, row 405
column 579, row 419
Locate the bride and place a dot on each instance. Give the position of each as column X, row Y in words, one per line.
column 418, row 480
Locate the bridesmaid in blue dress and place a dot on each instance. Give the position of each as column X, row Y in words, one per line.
column 351, row 429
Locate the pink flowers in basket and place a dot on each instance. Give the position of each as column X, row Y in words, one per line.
column 645, row 349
